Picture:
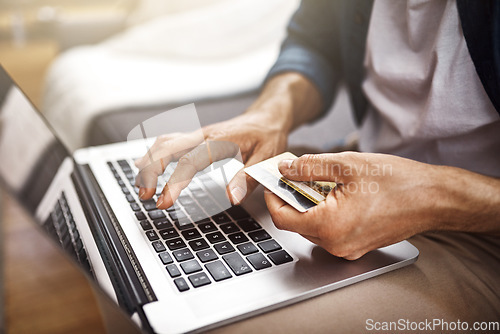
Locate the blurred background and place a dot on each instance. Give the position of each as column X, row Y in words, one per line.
column 96, row 68
column 34, row 32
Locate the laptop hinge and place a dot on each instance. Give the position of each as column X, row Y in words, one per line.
column 126, row 274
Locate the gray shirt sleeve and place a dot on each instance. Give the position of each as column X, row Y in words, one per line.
column 312, row 47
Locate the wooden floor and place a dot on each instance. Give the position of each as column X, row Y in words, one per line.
column 44, row 292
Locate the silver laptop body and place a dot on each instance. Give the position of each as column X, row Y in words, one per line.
column 95, row 223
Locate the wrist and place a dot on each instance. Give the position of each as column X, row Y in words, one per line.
column 287, row 100
column 277, row 116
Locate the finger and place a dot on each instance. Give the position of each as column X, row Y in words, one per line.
column 147, row 159
column 287, row 218
column 168, row 146
column 191, row 163
column 242, row 185
column 355, row 256
column 149, row 169
column 317, row 241
column 320, row 243
column 315, row 167
column 147, row 178
column 312, row 239
column 180, row 154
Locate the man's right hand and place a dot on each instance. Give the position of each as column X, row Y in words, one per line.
column 256, row 134
column 287, row 101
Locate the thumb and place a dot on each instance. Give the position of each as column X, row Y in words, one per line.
column 313, row 167
column 240, row 187
column 242, row 184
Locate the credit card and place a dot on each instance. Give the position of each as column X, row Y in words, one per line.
column 300, row 195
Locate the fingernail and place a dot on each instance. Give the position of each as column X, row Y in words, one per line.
column 142, row 192
column 287, row 163
column 159, row 202
column 238, row 194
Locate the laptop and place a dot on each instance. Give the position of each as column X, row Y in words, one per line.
column 175, row 270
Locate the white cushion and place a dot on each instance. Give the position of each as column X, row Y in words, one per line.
column 211, row 52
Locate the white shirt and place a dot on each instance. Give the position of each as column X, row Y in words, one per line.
column 427, row 100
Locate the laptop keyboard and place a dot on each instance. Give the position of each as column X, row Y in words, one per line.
column 196, row 247
column 61, row 227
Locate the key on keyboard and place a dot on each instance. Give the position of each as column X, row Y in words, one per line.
column 173, row 235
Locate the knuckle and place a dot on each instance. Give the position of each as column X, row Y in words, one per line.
column 354, row 256
column 149, row 171
column 342, row 252
column 332, row 250
column 163, row 145
column 307, row 159
column 349, row 157
column 165, row 190
column 332, row 239
column 186, row 159
column 162, row 138
column 348, row 154
column 157, row 145
column 304, row 162
column 311, row 165
column 215, row 133
column 349, row 252
column 338, row 251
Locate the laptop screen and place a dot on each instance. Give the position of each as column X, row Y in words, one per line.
column 30, row 154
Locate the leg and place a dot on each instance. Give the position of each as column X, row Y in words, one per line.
column 455, row 278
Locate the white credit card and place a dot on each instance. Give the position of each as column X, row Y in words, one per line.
column 300, row 195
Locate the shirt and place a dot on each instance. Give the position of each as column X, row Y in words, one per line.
column 427, row 102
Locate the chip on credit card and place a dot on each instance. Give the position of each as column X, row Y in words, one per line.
column 300, row 195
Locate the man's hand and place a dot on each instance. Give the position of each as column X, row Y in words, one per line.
column 382, row 199
column 287, row 101
column 254, row 135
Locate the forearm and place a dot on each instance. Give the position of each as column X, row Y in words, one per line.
column 288, row 99
column 466, row 201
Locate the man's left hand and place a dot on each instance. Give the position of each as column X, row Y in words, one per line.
column 380, row 200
